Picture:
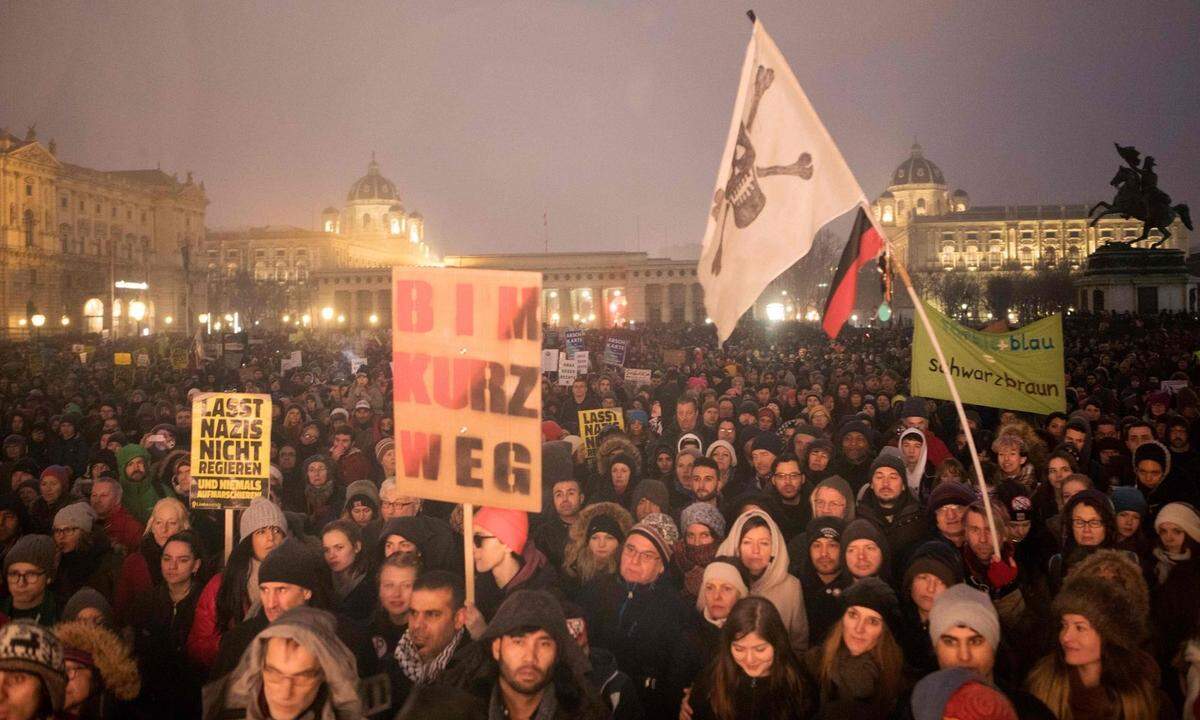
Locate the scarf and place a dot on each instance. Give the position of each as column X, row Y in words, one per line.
column 692, row 560
column 419, row 672
column 252, row 594
column 546, row 709
column 345, row 581
column 318, row 495
column 1167, row 562
column 854, row 677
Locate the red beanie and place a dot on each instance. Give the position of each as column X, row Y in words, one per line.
column 552, row 431
column 511, row 527
column 974, row 701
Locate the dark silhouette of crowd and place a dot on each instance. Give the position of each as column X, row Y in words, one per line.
column 778, row 530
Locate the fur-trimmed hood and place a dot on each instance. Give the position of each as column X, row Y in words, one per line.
column 614, row 445
column 111, row 656
column 577, row 539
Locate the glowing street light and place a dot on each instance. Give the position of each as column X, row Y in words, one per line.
column 341, row 318
column 287, row 318
column 374, row 319
column 169, row 320
column 137, row 310
column 203, row 318
column 38, row 320
column 327, row 313
column 65, row 321
column 145, row 332
column 306, row 319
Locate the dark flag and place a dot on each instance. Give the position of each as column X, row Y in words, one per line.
column 864, row 245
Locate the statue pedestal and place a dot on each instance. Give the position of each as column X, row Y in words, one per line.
column 1124, row 279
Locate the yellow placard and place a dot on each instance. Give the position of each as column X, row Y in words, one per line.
column 231, row 449
column 122, row 358
column 466, row 358
column 594, row 422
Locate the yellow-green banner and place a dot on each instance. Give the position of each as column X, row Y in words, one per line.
column 1017, row 370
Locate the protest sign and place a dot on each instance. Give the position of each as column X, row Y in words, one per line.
column 574, row 341
column 122, row 358
column 231, row 449
column 674, row 358
column 566, row 370
column 292, row 361
column 637, row 377
column 179, row 359
column 467, row 386
column 549, row 360
column 143, row 360
column 1017, row 370
column 582, row 362
column 1173, row 386
column 614, row 351
column 593, row 422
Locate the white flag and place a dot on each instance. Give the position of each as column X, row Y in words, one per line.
column 781, row 179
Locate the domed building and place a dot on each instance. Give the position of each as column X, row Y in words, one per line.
column 376, row 226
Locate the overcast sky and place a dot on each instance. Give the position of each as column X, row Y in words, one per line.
column 608, row 116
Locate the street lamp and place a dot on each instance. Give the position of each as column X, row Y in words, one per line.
column 306, row 319
column 374, row 319
column 326, row 313
column 341, row 318
column 38, row 320
column 65, row 321
column 168, row 320
column 137, row 310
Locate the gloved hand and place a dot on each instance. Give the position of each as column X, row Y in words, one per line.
column 1001, row 573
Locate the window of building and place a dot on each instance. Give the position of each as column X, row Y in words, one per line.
column 366, row 220
column 995, row 235
column 1073, row 233
column 28, row 189
column 29, row 223
column 63, row 202
column 1026, row 234
column 889, row 215
column 900, row 208
column 616, row 306
column 93, row 315
column 551, row 306
column 972, row 236
column 920, row 206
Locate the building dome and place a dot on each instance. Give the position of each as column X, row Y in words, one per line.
column 887, row 195
column 329, row 211
column 373, row 186
column 917, row 170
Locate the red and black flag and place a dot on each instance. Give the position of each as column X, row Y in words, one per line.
column 864, row 245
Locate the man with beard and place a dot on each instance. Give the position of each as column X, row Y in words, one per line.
column 138, row 494
column 787, row 497
column 436, row 634
column 889, row 504
column 558, row 474
column 822, row 574
column 854, row 462
column 705, row 481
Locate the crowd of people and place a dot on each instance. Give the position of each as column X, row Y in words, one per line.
column 779, row 530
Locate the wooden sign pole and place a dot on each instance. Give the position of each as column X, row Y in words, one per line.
column 468, row 556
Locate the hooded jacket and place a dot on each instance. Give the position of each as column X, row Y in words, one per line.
column 137, row 496
column 915, row 478
column 433, row 537
column 314, row 630
column 776, row 583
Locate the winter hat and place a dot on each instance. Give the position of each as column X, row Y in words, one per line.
column 557, row 464
column 837, row 483
column 660, row 530
column 293, row 562
column 863, row 529
column 14, row 440
column 949, row 493
column 1126, row 498
column 36, row 550
column 382, row 447
column 874, row 594
column 526, row 609
column 362, row 405
column 768, row 441
column 76, row 515
column 27, row 647
column 86, row 597
column 1106, row 605
column 364, row 490
column 262, row 513
column 914, row 407
column 961, row 694
column 605, row 523
column 885, row 459
column 748, row 407
column 551, row 431
column 1183, row 515
column 827, row 526
column 1153, row 450
column 99, row 648
column 574, row 441
column 703, row 514
column 963, row 606
column 654, row 491
column 632, row 416
column 511, row 527
column 343, row 413
column 936, row 558
column 727, row 570
column 723, row 444
column 58, row 472
column 1016, row 501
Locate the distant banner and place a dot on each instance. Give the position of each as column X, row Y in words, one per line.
column 614, row 351
column 179, row 358
column 637, row 377
column 549, row 360
column 567, row 371
column 231, row 449
column 674, row 358
column 291, row 362
column 122, row 358
column 1017, row 370
column 582, row 362
column 466, row 351
column 593, row 422
column 574, row 341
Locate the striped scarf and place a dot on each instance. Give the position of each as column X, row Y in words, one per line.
column 422, row 673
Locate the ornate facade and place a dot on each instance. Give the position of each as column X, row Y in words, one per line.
column 93, row 250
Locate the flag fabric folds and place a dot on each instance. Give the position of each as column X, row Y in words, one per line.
column 864, row 245
column 781, row 179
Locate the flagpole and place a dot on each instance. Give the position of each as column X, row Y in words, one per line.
column 919, row 306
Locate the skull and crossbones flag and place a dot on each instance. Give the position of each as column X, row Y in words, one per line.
column 781, row 179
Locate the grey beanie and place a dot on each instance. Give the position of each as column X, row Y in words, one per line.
column 262, row 513
column 963, row 606
column 86, row 597
column 703, row 514
column 76, row 515
column 37, row 550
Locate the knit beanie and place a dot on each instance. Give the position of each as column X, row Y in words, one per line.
column 961, row 694
column 689, row 439
column 58, row 472
column 1016, row 500
column 654, row 491
column 364, row 490
column 1183, row 515
column 1106, row 606
column 723, row 444
column 874, row 594
column 936, row 558
column 27, row 647
column 949, row 493
column 963, row 606
column 632, row 416
column 726, row 570
column 660, row 530
column 557, row 464
column 382, row 447
column 703, row 514
column 262, row 513
column 76, row 515
column 863, row 529
column 886, row 459
column 86, row 597
column 605, row 523
column 827, row 526
column 551, row 431
column 768, row 441
column 36, row 550
column 511, row 527
column 293, row 562
column 1154, row 451
column 914, row 407
column 748, row 407
column 1126, row 498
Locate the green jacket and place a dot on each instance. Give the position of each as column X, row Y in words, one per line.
column 137, row 497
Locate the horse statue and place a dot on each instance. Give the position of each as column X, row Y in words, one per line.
column 1138, row 196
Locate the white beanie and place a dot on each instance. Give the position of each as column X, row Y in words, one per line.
column 76, row 515
column 261, row 513
column 963, row 606
column 1183, row 515
column 725, row 571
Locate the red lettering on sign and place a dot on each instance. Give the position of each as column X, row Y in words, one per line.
column 518, row 317
column 414, row 306
column 464, row 311
column 409, row 377
column 421, row 453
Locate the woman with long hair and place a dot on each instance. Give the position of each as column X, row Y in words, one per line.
column 1089, row 524
column 755, row 674
column 350, row 567
column 141, row 570
column 594, row 543
column 1097, row 668
column 1047, row 497
column 860, row 660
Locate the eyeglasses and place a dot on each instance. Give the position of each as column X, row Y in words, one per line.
column 479, row 540
column 830, row 504
column 17, row 577
column 305, row 679
column 398, row 504
column 950, row 508
column 789, row 476
column 647, row 556
column 1089, row 524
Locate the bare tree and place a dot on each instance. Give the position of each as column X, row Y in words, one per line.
column 999, row 294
